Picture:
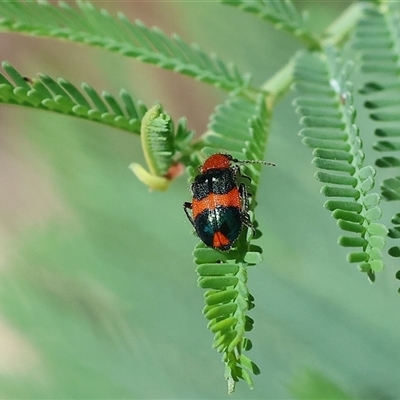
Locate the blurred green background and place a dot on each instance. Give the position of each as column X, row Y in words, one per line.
column 98, row 288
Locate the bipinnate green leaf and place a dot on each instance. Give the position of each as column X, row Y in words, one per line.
column 325, row 103
column 87, row 24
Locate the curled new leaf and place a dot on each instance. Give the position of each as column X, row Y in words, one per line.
column 157, row 137
column 160, row 145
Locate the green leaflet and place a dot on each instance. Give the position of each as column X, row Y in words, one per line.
column 234, row 128
column 96, row 27
column 377, row 39
column 282, row 14
column 227, row 303
column 325, row 103
column 63, row 97
column 394, row 233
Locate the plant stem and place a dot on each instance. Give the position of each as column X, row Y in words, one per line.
column 336, row 33
column 278, row 84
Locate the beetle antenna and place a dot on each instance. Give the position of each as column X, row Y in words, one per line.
column 254, row 162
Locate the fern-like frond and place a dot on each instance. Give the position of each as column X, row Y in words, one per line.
column 377, row 39
column 238, row 127
column 282, row 14
column 326, row 104
column 63, row 97
column 90, row 25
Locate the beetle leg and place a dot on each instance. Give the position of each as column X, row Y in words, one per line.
column 245, row 207
column 186, row 207
column 245, row 177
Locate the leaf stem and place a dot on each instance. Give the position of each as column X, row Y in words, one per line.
column 278, row 84
column 337, row 32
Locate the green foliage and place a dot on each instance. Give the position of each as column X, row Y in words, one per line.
column 235, row 127
column 282, row 14
column 326, row 104
column 63, row 97
column 377, row 38
column 158, row 140
column 327, row 88
column 89, row 25
column 240, row 127
column 160, row 146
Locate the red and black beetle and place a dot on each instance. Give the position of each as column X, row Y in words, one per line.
column 219, row 207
